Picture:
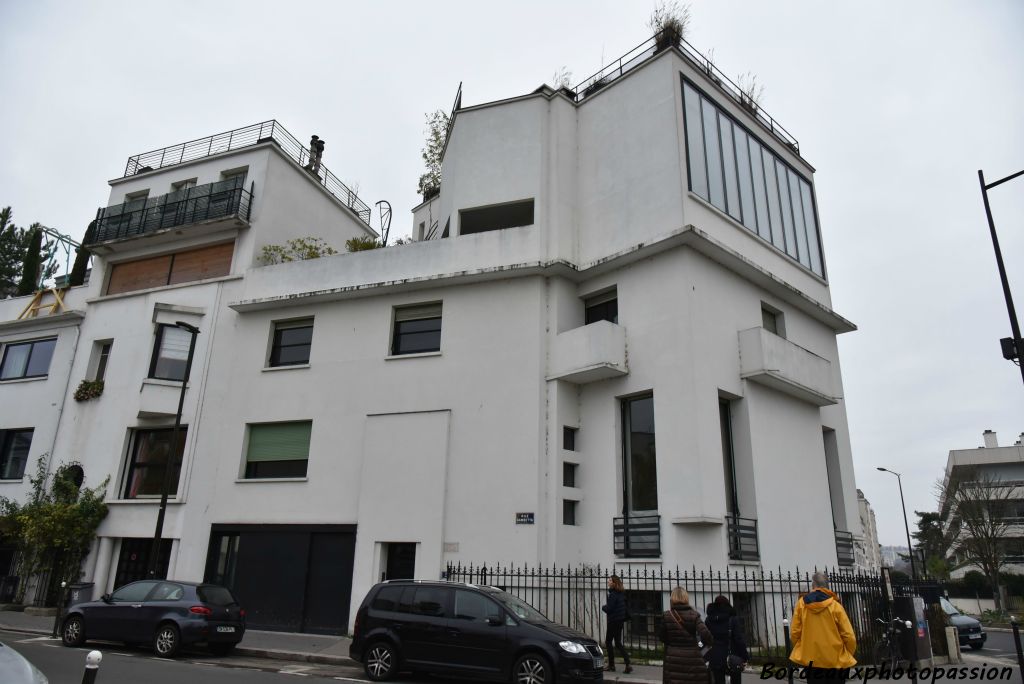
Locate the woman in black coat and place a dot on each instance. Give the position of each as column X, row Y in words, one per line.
column 617, row 612
column 727, row 629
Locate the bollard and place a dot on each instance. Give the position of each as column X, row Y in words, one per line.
column 92, row 666
column 789, row 649
column 60, row 609
column 1016, row 643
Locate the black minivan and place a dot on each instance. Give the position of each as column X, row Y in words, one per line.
column 469, row 630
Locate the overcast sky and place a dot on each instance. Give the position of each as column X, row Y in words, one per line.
column 897, row 105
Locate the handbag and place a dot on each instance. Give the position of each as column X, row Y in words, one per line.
column 733, row 663
column 705, row 651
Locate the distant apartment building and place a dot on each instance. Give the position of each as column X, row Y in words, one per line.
column 612, row 342
column 869, row 551
column 893, row 556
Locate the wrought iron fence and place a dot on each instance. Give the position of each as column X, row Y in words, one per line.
column 266, row 131
column 573, row 596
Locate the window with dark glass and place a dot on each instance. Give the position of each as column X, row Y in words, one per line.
column 731, row 169
column 417, row 329
column 278, row 449
column 27, row 359
column 772, row 320
column 496, row 217
column 14, row 448
column 602, row 307
column 102, row 356
column 732, row 505
column 639, row 461
column 569, row 474
column 569, row 512
column 292, row 343
column 431, row 601
column 569, row 438
column 471, row 606
column 170, row 353
column 149, row 458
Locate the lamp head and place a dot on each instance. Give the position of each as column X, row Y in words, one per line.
column 187, row 326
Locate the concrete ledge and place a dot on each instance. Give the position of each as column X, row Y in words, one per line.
column 296, row 656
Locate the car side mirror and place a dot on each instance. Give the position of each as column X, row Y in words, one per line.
column 106, row 598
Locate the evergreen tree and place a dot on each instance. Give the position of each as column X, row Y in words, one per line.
column 82, row 257
column 31, row 263
column 13, row 244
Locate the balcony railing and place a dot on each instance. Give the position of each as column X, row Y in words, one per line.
column 637, row 536
column 223, row 199
column 844, row 548
column 743, row 538
column 247, row 136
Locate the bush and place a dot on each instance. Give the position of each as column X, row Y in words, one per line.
column 298, row 249
column 89, row 389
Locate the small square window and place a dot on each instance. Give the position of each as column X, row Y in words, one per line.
column 569, row 438
column 14, row 448
column 292, row 343
column 170, row 353
column 149, row 459
column 602, row 307
column 278, row 449
column 772, row 320
column 569, row 474
column 569, row 512
column 417, row 329
column 27, row 359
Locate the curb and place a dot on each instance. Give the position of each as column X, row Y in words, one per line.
column 26, row 630
column 295, row 656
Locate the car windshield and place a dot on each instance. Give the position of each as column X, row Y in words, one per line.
column 518, row 607
column 948, row 607
column 215, row 596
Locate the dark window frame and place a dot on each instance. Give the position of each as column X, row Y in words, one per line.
column 7, row 438
column 603, row 306
column 569, row 435
column 28, row 362
column 132, row 466
column 400, row 333
column 569, row 471
column 279, row 469
column 628, row 508
column 157, row 344
column 500, row 216
column 277, row 344
column 102, row 358
column 732, row 499
column 569, row 512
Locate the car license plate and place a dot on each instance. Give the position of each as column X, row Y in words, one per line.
column 975, row 636
column 222, row 628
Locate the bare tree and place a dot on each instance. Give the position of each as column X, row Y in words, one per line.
column 976, row 506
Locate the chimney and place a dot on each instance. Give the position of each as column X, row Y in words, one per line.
column 990, row 439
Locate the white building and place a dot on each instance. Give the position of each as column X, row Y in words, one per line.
column 607, row 346
column 868, row 550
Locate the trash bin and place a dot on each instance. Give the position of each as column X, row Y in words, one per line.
column 78, row 593
column 915, row 642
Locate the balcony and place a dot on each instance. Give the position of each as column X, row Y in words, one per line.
column 223, row 200
column 844, row 548
column 589, row 353
column 742, row 534
column 637, row 536
column 775, row 362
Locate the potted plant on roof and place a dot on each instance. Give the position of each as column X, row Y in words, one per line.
column 669, row 22
column 750, row 92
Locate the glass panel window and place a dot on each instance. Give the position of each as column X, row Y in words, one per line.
column 150, row 458
column 170, row 353
column 431, row 601
column 728, row 458
column 14, row 448
column 27, row 359
column 732, row 193
column 764, row 228
column 135, row 592
column 746, row 184
column 471, row 606
column 292, row 343
column 569, row 474
column 103, row 355
column 602, row 307
column 417, row 330
column 798, row 218
column 569, row 512
column 787, row 209
column 716, row 184
column 640, row 466
column 695, row 142
column 569, row 438
column 812, row 227
column 774, row 210
column 278, row 449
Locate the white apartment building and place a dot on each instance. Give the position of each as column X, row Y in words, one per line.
column 868, row 550
column 612, row 343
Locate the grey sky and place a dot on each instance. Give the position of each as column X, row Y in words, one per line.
column 896, row 104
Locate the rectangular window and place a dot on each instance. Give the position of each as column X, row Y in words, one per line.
column 716, row 184
column 170, row 353
column 639, row 461
column 695, row 143
column 602, row 307
column 278, row 449
column 569, row 474
column 27, row 359
column 569, row 438
column 417, row 329
column 772, row 320
column 292, row 343
column 729, row 162
column 569, row 512
column 102, row 355
column 732, row 505
column 798, row 218
column 496, row 217
column 150, row 458
column 14, row 448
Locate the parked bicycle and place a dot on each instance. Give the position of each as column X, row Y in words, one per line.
column 888, row 650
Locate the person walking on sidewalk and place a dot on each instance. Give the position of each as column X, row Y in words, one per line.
column 618, row 612
column 681, row 630
column 823, row 639
column 727, row 629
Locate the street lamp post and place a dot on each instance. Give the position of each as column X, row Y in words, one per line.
column 906, row 525
column 154, row 552
column 1015, row 348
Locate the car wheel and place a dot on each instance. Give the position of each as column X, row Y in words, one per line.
column 167, row 640
column 221, row 650
column 532, row 669
column 73, row 632
column 381, row 661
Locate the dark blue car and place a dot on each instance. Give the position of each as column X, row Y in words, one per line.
column 165, row 613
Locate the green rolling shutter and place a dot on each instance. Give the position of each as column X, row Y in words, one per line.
column 279, row 441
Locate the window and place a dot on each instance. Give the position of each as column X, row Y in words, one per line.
column 102, row 352
column 181, row 186
column 639, row 464
column 431, row 601
column 27, row 359
column 569, row 438
column 417, row 329
column 772, row 320
column 278, row 449
column 731, row 169
column 150, row 458
column 568, row 512
column 170, row 353
column 292, row 343
column 165, row 591
column 602, row 307
column 569, row 474
column 222, row 559
column 732, row 505
column 471, row 606
column 496, row 217
column 388, row 598
column 14, row 448
column 136, row 592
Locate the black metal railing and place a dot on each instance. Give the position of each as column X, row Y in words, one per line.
column 844, row 548
column 647, row 49
column 742, row 538
column 573, row 596
column 266, row 131
column 637, row 536
column 223, row 199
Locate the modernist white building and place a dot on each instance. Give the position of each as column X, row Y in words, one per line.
column 612, row 342
column 868, row 550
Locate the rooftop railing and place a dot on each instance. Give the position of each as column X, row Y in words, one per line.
column 247, row 136
column 647, row 49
